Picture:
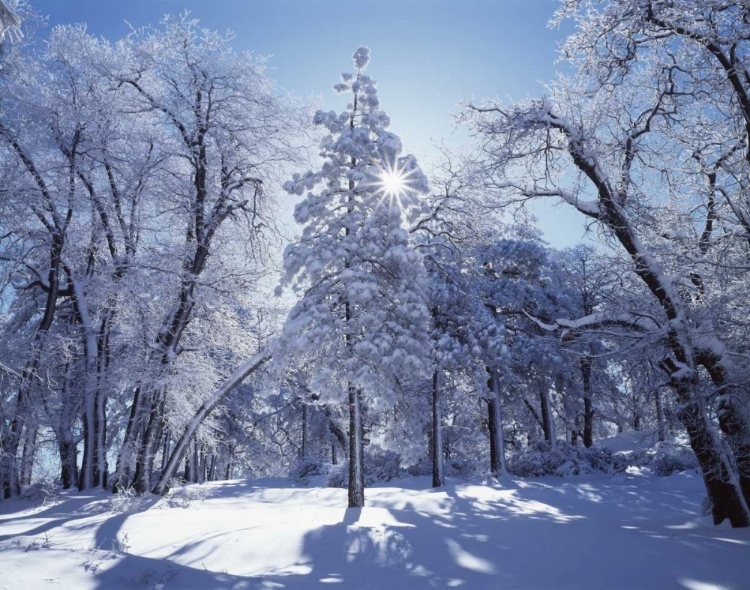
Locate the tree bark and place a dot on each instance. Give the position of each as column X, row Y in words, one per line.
column 723, row 489
column 356, row 451
column 68, row 464
column 27, row 456
column 436, row 441
column 548, row 423
column 661, row 433
column 303, row 449
column 495, row 423
column 588, row 406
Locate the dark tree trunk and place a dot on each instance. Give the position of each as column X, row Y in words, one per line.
column 660, row 425
column 27, row 456
column 125, row 456
column 230, row 461
column 495, row 426
column 202, row 464
column 165, row 449
column 436, row 440
column 144, row 465
column 64, row 433
column 84, row 459
column 548, row 425
column 68, row 463
column 726, row 502
column 188, row 473
column 356, row 451
column 304, row 430
column 588, row 406
column 212, row 468
column 735, row 426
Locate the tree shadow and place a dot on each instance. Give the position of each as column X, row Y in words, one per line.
column 532, row 534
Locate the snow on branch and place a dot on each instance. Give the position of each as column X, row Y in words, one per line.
column 569, row 328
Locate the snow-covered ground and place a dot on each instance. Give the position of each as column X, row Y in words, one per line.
column 631, row 530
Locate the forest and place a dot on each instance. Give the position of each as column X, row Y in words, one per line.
column 162, row 322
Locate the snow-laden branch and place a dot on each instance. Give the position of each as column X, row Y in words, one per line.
column 593, row 321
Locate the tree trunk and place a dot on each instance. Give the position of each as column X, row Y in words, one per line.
column 356, row 454
column 548, row 423
column 304, row 430
column 27, row 456
column 165, row 449
column 230, row 461
column 734, row 419
column 734, row 425
column 722, row 482
column 93, row 456
column 188, row 473
column 588, row 406
column 12, row 438
column 127, row 450
column 660, row 425
column 196, row 462
column 68, row 462
column 182, row 444
column 144, row 465
column 212, row 468
column 495, row 423
column 724, row 492
column 436, row 440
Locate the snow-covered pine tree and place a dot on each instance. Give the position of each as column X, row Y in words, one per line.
column 362, row 320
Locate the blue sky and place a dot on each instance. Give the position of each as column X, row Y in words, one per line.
column 426, row 54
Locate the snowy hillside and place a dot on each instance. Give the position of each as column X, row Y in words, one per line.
column 627, row 531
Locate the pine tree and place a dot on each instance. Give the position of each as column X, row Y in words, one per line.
column 362, row 321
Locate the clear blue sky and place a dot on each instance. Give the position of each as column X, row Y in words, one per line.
column 426, row 54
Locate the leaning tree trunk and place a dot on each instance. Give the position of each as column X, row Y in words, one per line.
column 181, row 446
column 724, row 492
column 734, row 418
column 436, row 441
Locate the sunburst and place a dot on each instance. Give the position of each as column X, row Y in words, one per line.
column 393, row 180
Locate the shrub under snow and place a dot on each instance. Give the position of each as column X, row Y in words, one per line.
column 670, row 458
column 308, row 468
column 380, row 466
column 539, row 460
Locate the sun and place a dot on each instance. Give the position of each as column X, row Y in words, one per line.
column 393, row 181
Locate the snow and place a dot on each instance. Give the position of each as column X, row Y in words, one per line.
column 632, row 530
column 636, row 440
